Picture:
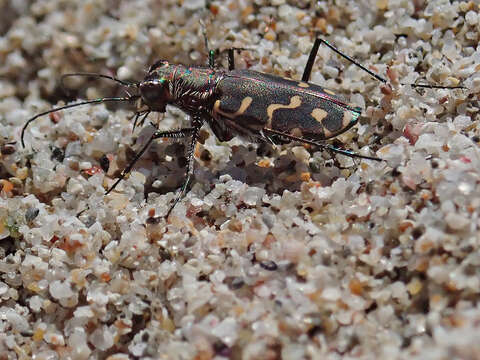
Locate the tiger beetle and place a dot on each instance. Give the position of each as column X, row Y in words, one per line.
column 247, row 103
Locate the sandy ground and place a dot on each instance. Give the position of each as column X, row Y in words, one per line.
column 276, row 252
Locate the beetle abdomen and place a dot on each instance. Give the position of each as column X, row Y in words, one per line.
column 251, row 101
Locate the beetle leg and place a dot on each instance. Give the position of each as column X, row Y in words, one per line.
column 311, row 59
column 195, row 130
column 175, row 134
column 211, row 53
column 211, row 59
column 137, row 116
column 231, row 55
column 267, row 138
column 322, row 146
column 231, row 59
column 313, row 53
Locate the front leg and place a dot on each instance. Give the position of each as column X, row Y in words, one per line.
column 197, row 123
column 175, row 134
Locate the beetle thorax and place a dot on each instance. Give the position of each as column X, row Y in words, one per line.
column 192, row 88
column 189, row 88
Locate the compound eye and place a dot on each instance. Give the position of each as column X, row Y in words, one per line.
column 155, row 93
column 149, row 92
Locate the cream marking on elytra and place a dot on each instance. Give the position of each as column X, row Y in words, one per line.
column 243, row 106
column 319, row 114
column 295, row 102
column 329, row 92
column 327, row 133
column 303, row 84
column 347, row 118
column 296, row 132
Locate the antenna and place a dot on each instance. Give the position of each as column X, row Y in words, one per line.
column 94, row 101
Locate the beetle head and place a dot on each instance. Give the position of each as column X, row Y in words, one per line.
column 155, row 88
